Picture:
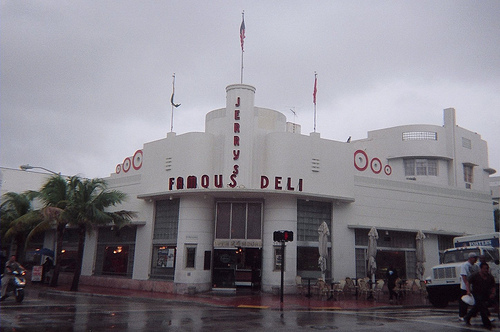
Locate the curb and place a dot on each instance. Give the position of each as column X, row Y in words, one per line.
column 211, row 302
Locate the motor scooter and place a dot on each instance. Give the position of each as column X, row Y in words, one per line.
column 16, row 285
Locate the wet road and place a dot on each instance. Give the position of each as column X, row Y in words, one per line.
column 50, row 312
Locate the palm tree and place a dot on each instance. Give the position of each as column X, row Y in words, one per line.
column 86, row 210
column 55, row 195
column 18, row 218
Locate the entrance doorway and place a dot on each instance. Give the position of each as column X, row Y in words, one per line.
column 387, row 259
column 238, row 267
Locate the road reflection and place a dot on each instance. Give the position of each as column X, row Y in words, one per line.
column 74, row 312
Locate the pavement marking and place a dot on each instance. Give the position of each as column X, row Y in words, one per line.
column 253, row 306
column 326, row 308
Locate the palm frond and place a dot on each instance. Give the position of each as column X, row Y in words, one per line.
column 24, row 223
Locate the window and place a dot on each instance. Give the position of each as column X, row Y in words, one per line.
column 411, row 264
column 166, row 220
column 421, row 167
column 409, row 167
column 67, row 257
column 307, row 259
column 361, row 260
column 163, row 264
column 310, row 215
column 164, row 256
column 393, row 248
column 468, row 173
column 115, row 248
column 190, row 255
column 238, row 220
column 432, row 168
column 420, row 136
column 115, row 260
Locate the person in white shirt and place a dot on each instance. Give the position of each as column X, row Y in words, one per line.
column 467, row 269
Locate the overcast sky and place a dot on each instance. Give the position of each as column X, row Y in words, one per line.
column 85, row 84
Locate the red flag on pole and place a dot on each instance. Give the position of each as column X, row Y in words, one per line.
column 242, row 32
column 315, row 88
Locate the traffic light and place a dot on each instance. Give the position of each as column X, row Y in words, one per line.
column 283, row 236
column 288, row 236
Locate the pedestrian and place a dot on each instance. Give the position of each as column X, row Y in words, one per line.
column 467, row 269
column 493, row 302
column 46, row 267
column 10, row 267
column 483, row 290
column 392, row 276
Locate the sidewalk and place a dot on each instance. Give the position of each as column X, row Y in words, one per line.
column 241, row 299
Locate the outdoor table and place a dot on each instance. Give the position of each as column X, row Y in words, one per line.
column 309, row 285
column 402, row 290
column 371, row 283
column 356, row 287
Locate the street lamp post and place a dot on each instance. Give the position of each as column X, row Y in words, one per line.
column 27, row 167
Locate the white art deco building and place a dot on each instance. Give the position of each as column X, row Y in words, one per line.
column 209, row 202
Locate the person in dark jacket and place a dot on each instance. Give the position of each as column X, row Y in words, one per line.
column 46, row 267
column 392, row 276
column 483, row 289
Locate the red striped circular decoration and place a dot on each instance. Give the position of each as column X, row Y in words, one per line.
column 126, row 164
column 360, row 160
column 118, row 168
column 376, row 165
column 137, row 160
column 387, row 170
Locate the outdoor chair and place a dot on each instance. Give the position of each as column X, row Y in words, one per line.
column 323, row 288
column 415, row 287
column 409, row 286
column 350, row 287
column 298, row 284
column 379, row 287
column 363, row 286
column 403, row 288
column 423, row 287
column 338, row 289
column 420, row 287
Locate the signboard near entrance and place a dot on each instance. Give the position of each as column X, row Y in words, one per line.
column 36, row 274
column 234, row 243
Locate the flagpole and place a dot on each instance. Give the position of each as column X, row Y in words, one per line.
column 314, row 97
column 242, row 37
column 241, row 67
column 172, row 105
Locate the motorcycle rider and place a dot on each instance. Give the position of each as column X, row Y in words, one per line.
column 11, row 266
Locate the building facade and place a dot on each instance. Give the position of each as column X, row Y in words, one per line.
column 209, row 202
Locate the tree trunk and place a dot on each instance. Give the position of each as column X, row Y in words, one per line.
column 79, row 258
column 20, row 245
column 59, row 246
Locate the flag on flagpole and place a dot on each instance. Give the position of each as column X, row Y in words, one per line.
column 315, row 88
column 172, row 101
column 242, row 32
column 173, row 92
